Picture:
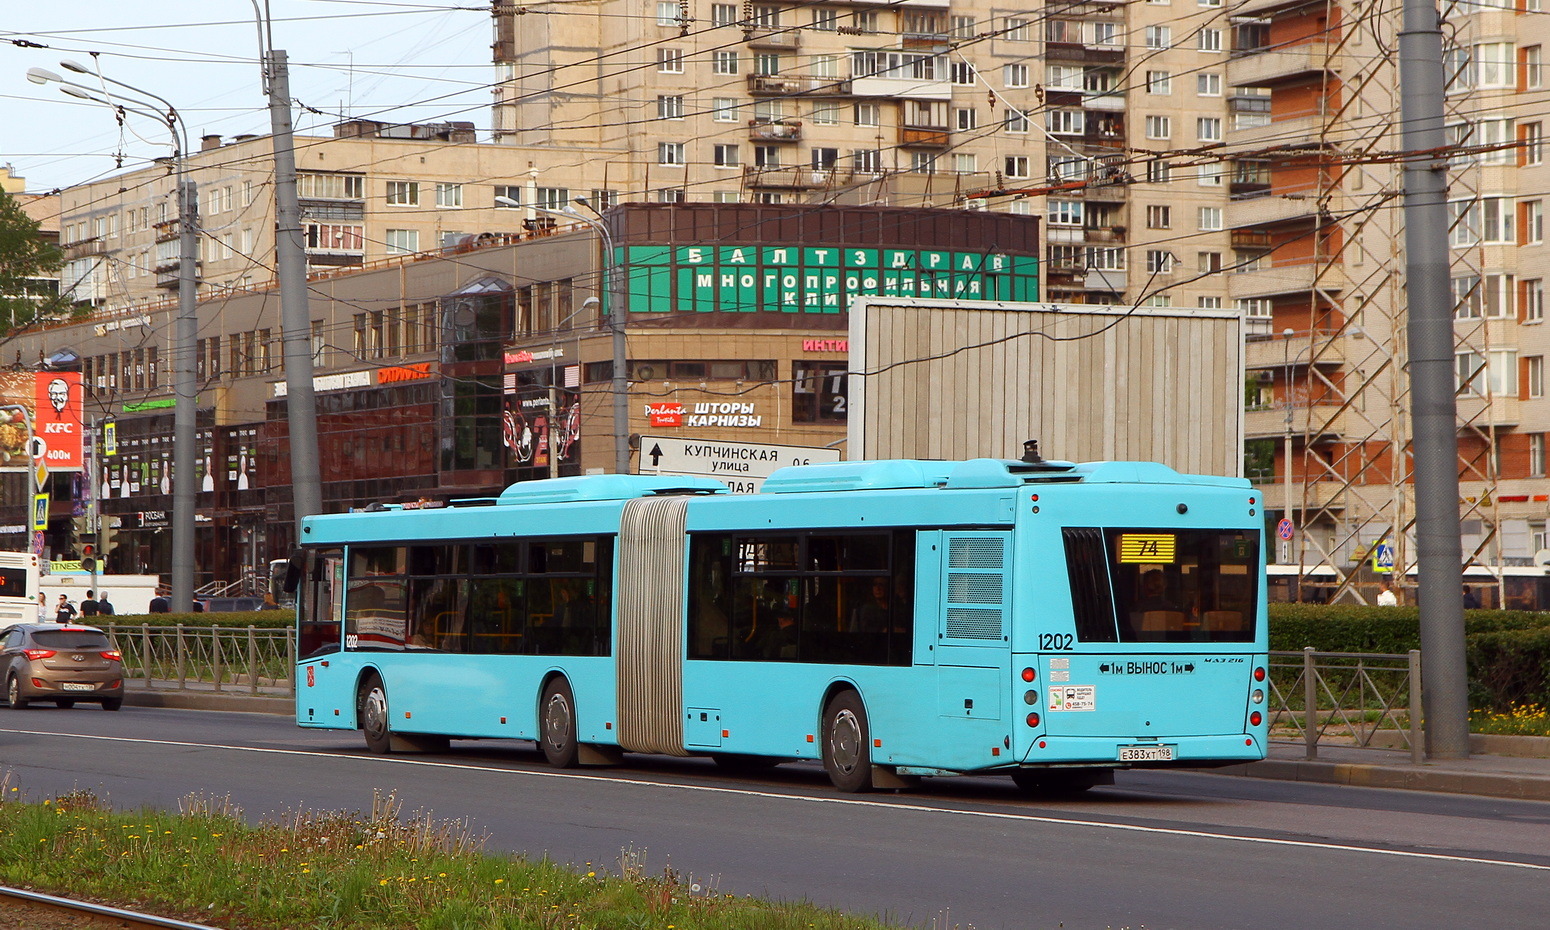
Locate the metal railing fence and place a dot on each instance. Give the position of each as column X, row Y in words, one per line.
column 1360, row 697
column 237, row 659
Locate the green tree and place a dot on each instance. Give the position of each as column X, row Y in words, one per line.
column 24, row 257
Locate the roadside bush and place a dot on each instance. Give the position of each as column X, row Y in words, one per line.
column 258, row 618
column 1507, row 651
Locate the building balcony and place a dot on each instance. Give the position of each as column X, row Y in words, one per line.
column 84, row 249
column 793, row 177
column 793, row 85
column 903, row 87
column 924, row 41
column 167, row 274
column 1099, row 192
column 773, row 38
column 1099, row 280
column 763, row 130
column 1107, row 103
column 1275, row 352
column 1106, row 235
column 936, row 137
column 1322, row 419
column 1304, row 131
column 1480, row 411
column 1299, row 206
column 1279, row 65
column 1086, row 54
column 1285, row 279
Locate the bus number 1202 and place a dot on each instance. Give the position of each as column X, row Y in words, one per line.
column 1055, row 642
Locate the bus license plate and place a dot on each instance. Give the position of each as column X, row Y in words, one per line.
column 77, row 686
column 1146, row 753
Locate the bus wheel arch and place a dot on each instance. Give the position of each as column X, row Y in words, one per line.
column 846, row 741
column 557, row 722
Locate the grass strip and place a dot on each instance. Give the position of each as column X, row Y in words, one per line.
column 348, row 871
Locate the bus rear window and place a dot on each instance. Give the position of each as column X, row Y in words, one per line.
column 1148, row 585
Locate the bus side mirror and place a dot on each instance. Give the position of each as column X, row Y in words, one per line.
column 295, row 570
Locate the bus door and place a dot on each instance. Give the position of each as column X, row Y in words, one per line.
column 324, row 688
column 1165, row 630
column 971, row 638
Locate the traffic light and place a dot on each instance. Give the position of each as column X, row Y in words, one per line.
column 88, row 558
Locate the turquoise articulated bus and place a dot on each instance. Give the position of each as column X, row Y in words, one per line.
column 892, row 619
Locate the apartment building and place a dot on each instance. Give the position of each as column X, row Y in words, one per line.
column 1107, row 118
column 1317, row 235
column 372, row 191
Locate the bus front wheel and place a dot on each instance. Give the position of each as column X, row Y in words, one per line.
column 557, row 725
column 371, row 709
column 847, row 757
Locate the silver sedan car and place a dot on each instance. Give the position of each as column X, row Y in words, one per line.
column 62, row 663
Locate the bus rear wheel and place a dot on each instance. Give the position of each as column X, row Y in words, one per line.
column 557, row 725
column 847, row 756
column 371, row 709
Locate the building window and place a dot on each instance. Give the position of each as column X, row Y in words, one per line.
column 1210, row 219
column 1210, row 303
column 826, row 19
column 818, row 392
column 402, row 241
column 1158, row 127
column 1159, row 37
column 965, row 118
column 1208, row 262
column 868, row 114
column 1159, row 82
column 1016, row 76
column 962, row 27
column 670, row 61
column 826, row 114
column 724, row 110
column 1065, row 213
column 449, row 195
column 1158, row 171
column 1208, row 85
column 511, row 192
column 1016, row 166
column 1065, row 122
column 1531, row 300
column 724, row 63
column 403, row 193
column 1532, row 221
column 1211, row 175
column 553, row 197
column 923, row 162
column 766, row 64
column 1530, row 144
column 725, row 156
column 723, row 14
column 670, row 153
column 865, row 20
column 965, row 163
column 1159, row 216
column 1159, row 261
column 766, row 156
column 963, row 74
column 867, row 161
column 1536, row 469
column 1258, row 307
column 1209, row 40
column 1208, row 129
column 667, row 13
column 1017, row 122
column 670, row 195
column 670, row 107
column 1529, row 62
column 1534, row 376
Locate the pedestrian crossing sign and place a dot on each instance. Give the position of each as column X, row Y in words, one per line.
column 1383, row 558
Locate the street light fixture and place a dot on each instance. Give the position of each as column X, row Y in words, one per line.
column 185, row 426
column 608, row 304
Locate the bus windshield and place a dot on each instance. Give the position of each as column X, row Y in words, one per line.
column 1144, row 585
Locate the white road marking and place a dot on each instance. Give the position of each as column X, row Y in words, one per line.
column 847, row 801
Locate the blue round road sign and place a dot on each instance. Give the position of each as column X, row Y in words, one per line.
column 1284, row 529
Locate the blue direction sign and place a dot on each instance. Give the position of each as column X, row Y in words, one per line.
column 1383, row 558
column 1284, row 529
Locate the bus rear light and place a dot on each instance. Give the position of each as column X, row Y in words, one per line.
column 1030, row 697
column 1033, row 721
column 877, row 744
column 1029, row 674
column 1255, row 718
column 995, row 750
column 1258, row 697
column 1259, row 674
column 36, row 654
column 1042, row 744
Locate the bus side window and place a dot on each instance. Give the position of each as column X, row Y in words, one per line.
column 318, row 628
column 710, row 625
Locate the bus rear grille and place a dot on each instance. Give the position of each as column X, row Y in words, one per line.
column 974, row 589
column 975, row 552
column 973, row 623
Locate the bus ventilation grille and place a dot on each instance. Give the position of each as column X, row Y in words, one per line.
column 975, row 553
column 976, row 591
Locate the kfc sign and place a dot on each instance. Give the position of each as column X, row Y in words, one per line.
column 57, row 419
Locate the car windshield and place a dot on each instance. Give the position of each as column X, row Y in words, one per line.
column 71, row 639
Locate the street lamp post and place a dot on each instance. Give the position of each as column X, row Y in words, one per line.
column 1286, row 478
column 609, row 304
column 185, row 427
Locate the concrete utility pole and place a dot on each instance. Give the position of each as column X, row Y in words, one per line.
column 1433, row 413
column 295, row 314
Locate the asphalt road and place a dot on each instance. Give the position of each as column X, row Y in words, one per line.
column 1157, row 850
